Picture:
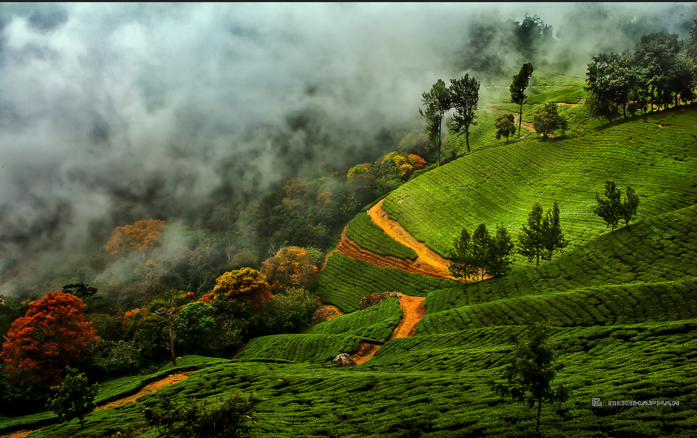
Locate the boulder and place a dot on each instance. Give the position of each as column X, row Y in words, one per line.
column 372, row 299
column 325, row 313
column 344, row 360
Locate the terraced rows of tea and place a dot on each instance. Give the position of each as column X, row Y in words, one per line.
column 369, row 236
column 437, row 386
column 654, row 153
column 375, row 323
column 344, row 281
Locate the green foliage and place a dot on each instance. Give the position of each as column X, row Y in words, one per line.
column 229, row 416
column 193, row 325
column 462, row 262
column 290, row 310
column 612, row 209
column 552, row 235
column 74, row 397
column 501, row 246
column 464, row 96
column 505, row 126
column 548, row 120
column 356, row 170
column 518, row 86
column 530, row 239
column 530, row 373
column 369, row 236
column 437, row 102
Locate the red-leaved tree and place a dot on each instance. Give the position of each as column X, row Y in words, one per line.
column 52, row 335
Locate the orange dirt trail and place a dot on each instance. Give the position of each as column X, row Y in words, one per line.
column 413, row 310
column 394, row 229
column 148, row 389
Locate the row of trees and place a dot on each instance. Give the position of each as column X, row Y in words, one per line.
column 659, row 72
column 482, row 253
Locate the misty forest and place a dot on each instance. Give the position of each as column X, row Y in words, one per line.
column 348, row 220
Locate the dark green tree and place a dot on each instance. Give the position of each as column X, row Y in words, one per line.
column 462, row 264
column 80, row 290
column 611, row 210
column 505, row 125
column 655, row 56
column 531, row 371
column 530, row 240
column 548, row 120
column 464, row 97
column 517, row 88
column 437, row 103
column 74, row 397
column 500, row 248
column 552, row 236
column 629, row 206
column 481, row 252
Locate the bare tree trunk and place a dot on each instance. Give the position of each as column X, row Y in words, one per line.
column 539, row 409
column 520, row 119
column 467, row 139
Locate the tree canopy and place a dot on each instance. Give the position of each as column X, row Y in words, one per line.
column 517, row 89
column 437, row 102
column 464, row 97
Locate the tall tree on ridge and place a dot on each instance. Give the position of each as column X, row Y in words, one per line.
column 518, row 86
column 437, row 102
column 464, row 95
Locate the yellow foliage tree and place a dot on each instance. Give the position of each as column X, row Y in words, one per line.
column 291, row 266
column 245, row 282
column 139, row 236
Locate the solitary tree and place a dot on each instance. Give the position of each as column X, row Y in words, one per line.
column 74, row 397
column 462, row 264
column 530, row 240
column 531, row 371
column 505, row 126
column 170, row 313
column 552, row 236
column 517, row 88
column 53, row 334
column 612, row 209
column 464, row 96
column 547, row 119
column 437, row 102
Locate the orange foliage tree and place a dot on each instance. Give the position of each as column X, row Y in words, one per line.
column 139, row 236
column 291, row 266
column 52, row 335
column 417, row 161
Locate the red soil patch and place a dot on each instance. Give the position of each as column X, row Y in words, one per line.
column 365, row 352
column 19, row 434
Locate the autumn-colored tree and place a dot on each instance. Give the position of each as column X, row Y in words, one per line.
column 245, row 284
column 417, row 161
column 291, row 266
column 52, row 335
column 139, row 236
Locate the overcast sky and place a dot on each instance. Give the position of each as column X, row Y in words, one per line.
column 113, row 111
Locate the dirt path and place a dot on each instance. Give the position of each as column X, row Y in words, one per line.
column 20, row 434
column 148, row 389
column 413, row 309
column 425, row 255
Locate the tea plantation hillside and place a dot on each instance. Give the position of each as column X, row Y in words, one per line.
column 624, row 305
column 654, row 153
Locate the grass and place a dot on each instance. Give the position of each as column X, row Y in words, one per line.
column 369, row 236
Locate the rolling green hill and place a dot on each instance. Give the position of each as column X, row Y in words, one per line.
column 624, row 303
